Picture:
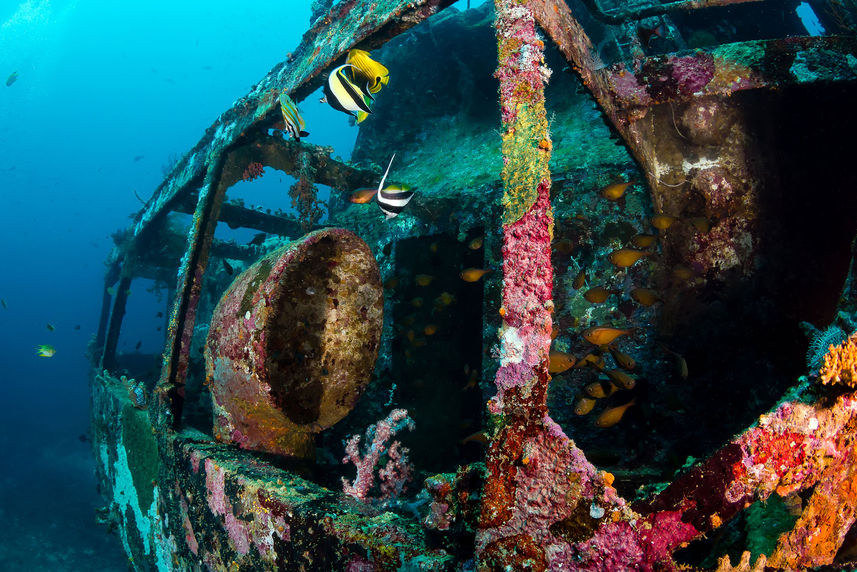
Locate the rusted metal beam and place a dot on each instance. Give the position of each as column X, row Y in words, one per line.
column 170, row 392
column 108, row 358
column 348, row 24
column 655, row 9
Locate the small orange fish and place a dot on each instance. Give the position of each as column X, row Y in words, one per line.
column 430, row 330
column 560, row 362
column 579, row 280
column 410, row 335
column 625, row 257
column 612, row 416
column 598, row 294
column 623, row 360
column 615, row 191
column 620, row 378
column 591, row 360
column 682, row 272
column 417, row 302
column 563, row 246
column 603, row 335
column 433, row 247
column 644, row 296
column 444, row 300
column 478, row 437
column 700, row 223
column 600, row 389
column 423, row 279
column 391, row 282
column 362, row 196
column 473, row 274
column 663, row 221
column 554, row 331
column 476, row 243
column 584, row 405
column 644, row 240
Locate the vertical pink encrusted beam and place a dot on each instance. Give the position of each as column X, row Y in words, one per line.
column 537, row 481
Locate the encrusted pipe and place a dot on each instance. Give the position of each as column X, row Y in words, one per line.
column 293, row 342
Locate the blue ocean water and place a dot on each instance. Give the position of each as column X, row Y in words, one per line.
column 107, row 94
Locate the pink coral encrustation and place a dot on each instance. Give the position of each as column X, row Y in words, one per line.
column 395, row 473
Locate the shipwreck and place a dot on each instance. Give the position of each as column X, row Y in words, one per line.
column 613, row 329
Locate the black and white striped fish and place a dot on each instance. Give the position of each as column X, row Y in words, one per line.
column 292, row 117
column 392, row 199
column 342, row 94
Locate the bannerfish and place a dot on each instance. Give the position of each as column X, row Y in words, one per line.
column 342, row 94
column 13, row 77
column 292, row 117
column 392, row 199
column 375, row 74
column 362, row 196
column 45, row 351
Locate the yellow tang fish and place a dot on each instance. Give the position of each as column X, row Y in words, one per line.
column 45, row 351
column 603, row 335
column 473, row 274
column 375, row 74
column 612, row 416
column 625, row 257
column 615, row 191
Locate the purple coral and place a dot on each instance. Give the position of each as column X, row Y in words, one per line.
column 397, row 470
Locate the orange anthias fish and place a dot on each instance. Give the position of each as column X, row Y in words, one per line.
column 603, row 335
column 644, row 240
column 362, row 196
column 584, row 405
column 473, row 274
column 598, row 294
column 620, row 378
column 625, row 257
column 615, row 191
column 560, row 362
column 663, row 221
column 612, row 416
column 600, row 389
column 644, row 296
column 623, row 360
